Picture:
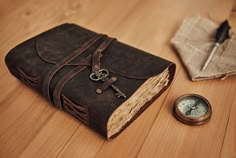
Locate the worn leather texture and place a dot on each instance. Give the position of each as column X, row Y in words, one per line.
column 58, row 63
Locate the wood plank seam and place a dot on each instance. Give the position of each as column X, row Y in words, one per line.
column 19, row 117
column 226, row 128
column 166, row 97
column 68, row 140
column 100, row 148
column 38, row 131
column 151, row 126
column 9, row 95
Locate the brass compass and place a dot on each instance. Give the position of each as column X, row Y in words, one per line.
column 192, row 109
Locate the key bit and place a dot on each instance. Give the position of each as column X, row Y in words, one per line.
column 119, row 93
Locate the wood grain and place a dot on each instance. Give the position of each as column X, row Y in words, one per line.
column 229, row 145
column 30, row 127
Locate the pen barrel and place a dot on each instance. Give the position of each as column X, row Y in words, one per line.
column 216, row 45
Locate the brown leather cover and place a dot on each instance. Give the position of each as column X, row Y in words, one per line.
column 57, row 64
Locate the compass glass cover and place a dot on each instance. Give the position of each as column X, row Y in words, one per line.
column 193, row 107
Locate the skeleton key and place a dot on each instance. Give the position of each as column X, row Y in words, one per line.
column 102, row 75
column 119, row 93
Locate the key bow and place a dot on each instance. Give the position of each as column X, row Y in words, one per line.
column 99, row 75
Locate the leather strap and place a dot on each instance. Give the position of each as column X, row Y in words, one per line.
column 66, row 60
column 106, row 85
column 60, row 85
column 96, row 64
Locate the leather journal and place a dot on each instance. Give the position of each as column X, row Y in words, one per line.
column 102, row 82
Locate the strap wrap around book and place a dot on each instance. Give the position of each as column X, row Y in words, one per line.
column 95, row 66
column 62, row 63
column 96, row 63
column 101, row 81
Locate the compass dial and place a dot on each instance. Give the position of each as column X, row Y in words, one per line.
column 193, row 107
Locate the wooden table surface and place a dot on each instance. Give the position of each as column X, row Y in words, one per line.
column 30, row 127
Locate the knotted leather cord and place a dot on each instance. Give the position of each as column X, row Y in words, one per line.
column 60, row 85
column 63, row 62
